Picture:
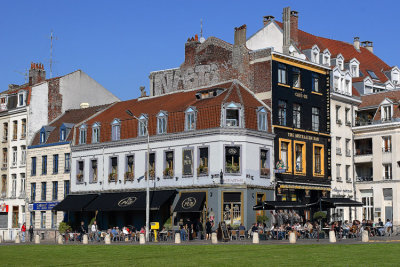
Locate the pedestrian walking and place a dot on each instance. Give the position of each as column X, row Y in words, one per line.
column 31, row 233
column 82, row 231
column 208, row 229
column 94, row 231
column 23, row 231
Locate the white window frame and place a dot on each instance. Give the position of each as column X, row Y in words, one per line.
column 142, row 125
column 190, row 119
column 96, row 133
column 116, row 130
column 82, row 134
column 162, row 120
column 262, row 119
column 232, row 106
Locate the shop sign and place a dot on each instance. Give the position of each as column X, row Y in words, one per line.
column 188, row 203
column 44, row 206
column 3, row 207
column 128, row 201
column 280, row 167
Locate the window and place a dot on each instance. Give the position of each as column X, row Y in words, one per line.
column 372, row 74
column 142, row 125
column 23, row 185
column 285, row 154
column 347, row 144
column 347, row 87
column 203, row 162
column 338, row 120
column 44, row 165
column 162, row 123
column 14, row 158
column 4, row 186
column 55, row 164
column 43, row 194
column 315, row 119
column 62, row 135
column 387, row 171
column 33, row 192
column 282, row 74
column 93, row 176
column 42, row 137
column 336, row 83
column 340, row 64
column 232, row 208
column 346, row 116
column 296, row 77
column 300, row 157
column 15, row 130
column 5, row 157
column 80, row 173
column 386, row 143
column 338, row 146
column 348, row 173
column 315, row 57
column 282, row 106
column 387, row 113
column 353, row 71
column 116, row 130
column 262, row 120
column 152, row 165
column 43, row 219
column 82, row 135
column 23, row 155
column 190, row 119
column 53, row 219
column 55, row 191
column 21, row 100
column 264, row 163
column 130, row 168
column 5, row 131
column 3, row 100
column 296, row 116
column 23, row 129
column 169, row 164
column 318, row 160
column 33, row 219
column 315, row 83
column 33, row 167
column 338, row 178
column 232, row 115
column 96, row 133
column 232, row 159
column 187, row 162
column 13, row 185
column 67, row 163
column 66, row 188
column 113, row 176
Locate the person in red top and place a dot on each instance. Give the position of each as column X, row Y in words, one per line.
column 23, row 231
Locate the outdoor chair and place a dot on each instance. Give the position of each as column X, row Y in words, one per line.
column 242, row 234
column 234, row 234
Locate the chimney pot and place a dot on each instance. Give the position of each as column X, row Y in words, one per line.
column 267, row 19
column 84, row 105
column 196, row 37
column 240, row 35
column 356, row 43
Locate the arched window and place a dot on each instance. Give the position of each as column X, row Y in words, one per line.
column 232, row 115
column 262, row 119
column 82, row 134
column 96, row 133
column 142, row 125
column 162, row 122
column 190, row 119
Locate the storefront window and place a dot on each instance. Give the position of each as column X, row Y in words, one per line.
column 53, row 219
column 232, row 208
column 15, row 217
column 232, row 159
column 42, row 219
column 318, row 158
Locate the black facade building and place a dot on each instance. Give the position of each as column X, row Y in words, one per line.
column 301, row 123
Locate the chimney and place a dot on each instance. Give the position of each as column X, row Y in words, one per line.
column 36, row 73
column 368, row 45
column 267, row 19
column 240, row 35
column 190, row 50
column 84, row 105
column 286, row 30
column 356, row 43
column 142, row 91
column 294, row 25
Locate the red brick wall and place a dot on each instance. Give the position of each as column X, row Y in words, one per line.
column 55, row 99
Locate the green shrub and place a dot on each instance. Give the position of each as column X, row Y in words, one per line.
column 64, row 227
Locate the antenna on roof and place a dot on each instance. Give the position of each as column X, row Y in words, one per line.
column 52, row 38
column 202, row 39
column 25, row 74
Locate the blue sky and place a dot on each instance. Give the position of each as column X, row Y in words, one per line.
column 119, row 43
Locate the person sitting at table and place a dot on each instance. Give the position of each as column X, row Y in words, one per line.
column 281, row 232
column 346, row 229
column 274, row 230
column 388, row 226
column 114, row 234
column 380, row 227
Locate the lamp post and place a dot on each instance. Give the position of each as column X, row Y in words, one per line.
column 148, row 174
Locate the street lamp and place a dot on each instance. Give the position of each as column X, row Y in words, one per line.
column 148, row 173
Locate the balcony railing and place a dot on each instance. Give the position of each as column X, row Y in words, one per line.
column 371, row 122
column 363, row 152
column 387, row 149
column 364, row 178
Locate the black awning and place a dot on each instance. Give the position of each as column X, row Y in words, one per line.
column 190, row 202
column 276, row 205
column 129, row 201
column 339, row 202
column 75, row 202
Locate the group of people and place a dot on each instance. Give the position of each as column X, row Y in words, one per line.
column 23, row 232
column 190, row 230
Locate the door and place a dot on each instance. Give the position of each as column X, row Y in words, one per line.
column 389, row 213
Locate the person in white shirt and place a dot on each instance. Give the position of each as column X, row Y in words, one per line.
column 94, row 231
column 388, row 226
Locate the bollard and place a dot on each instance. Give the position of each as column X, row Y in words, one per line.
column 142, row 240
column 292, row 238
column 85, row 239
column 214, row 238
column 332, row 236
column 107, row 239
column 17, row 239
column 60, row 240
column 365, row 236
column 256, row 238
column 177, row 238
column 1, row 239
column 37, row 239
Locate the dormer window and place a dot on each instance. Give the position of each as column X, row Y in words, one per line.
column 395, row 76
column 262, row 119
column 315, row 57
column 340, row 64
column 21, row 99
column 96, row 133
column 232, row 115
column 42, row 137
column 162, row 122
column 348, row 87
column 116, row 130
column 315, row 83
column 62, row 134
column 142, row 125
column 190, row 119
column 372, row 75
column 386, row 113
column 336, row 83
column 82, row 134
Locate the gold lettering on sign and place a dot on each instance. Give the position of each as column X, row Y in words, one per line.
column 301, row 95
column 302, row 136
